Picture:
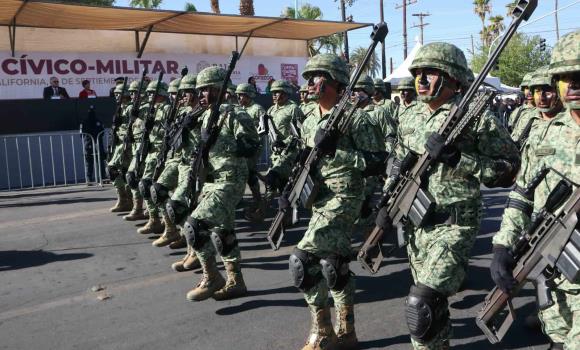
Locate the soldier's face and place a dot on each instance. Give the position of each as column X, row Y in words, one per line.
column 319, row 83
column 408, row 95
column 279, row 97
column 359, row 94
column 569, row 89
column 427, row 81
column 545, row 98
column 133, row 95
column 208, row 95
column 190, row 97
column 244, row 100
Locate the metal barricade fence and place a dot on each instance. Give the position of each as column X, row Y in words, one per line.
column 47, row 160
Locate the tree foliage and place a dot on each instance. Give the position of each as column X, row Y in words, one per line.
column 482, row 8
column 215, row 6
column 91, row 2
column 522, row 55
column 357, row 56
column 146, row 4
column 247, row 7
column 189, row 7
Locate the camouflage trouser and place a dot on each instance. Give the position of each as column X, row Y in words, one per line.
column 329, row 233
column 132, row 165
column 282, row 162
column 217, row 208
column 252, row 169
column 150, row 163
column 438, row 257
column 118, row 162
column 169, row 176
column 561, row 321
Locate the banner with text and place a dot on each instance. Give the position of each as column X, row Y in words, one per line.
column 26, row 75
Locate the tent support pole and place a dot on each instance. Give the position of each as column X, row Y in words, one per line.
column 12, row 36
column 137, row 41
column 144, row 43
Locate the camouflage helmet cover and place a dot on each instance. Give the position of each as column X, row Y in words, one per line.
column 119, row 90
column 174, row 85
column 188, row 82
column 162, row 88
column 247, row 89
column 566, row 54
column 470, row 76
column 541, row 77
column 134, row 86
column 211, row 76
column 526, row 80
column 231, row 87
column 406, row 84
column 443, row 56
column 366, row 83
column 304, row 87
column 379, row 84
column 330, row 64
column 282, row 85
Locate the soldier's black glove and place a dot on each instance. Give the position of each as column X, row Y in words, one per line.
column 189, row 121
column 437, row 149
column 283, row 202
column 502, row 267
column 383, row 220
column 272, row 179
column 118, row 121
column 326, row 141
column 149, row 123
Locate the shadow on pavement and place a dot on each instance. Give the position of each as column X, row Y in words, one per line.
column 30, row 194
column 57, row 202
column 383, row 343
column 21, row 259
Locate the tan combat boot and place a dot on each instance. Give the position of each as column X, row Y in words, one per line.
column 235, row 286
column 171, row 234
column 211, row 281
column 180, row 243
column 123, row 202
column 154, row 225
column 187, row 263
column 322, row 336
column 137, row 213
column 345, row 327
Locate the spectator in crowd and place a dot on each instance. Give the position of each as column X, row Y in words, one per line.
column 87, row 92
column 397, row 100
column 93, row 127
column 252, row 81
column 54, row 92
column 267, row 92
column 118, row 81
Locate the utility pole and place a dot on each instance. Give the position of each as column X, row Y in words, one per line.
column 556, row 16
column 383, row 53
column 343, row 13
column 404, row 7
column 472, row 46
column 391, row 59
column 421, row 25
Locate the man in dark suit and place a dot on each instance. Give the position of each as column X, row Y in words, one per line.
column 54, row 91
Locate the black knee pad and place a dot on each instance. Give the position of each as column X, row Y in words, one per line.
column 113, row 172
column 223, row 240
column 159, row 193
column 252, row 178
column 194, row 232
column 176, row 211
column 336, row 272
column 145, row 188
column 131, row 179
column 299, row 264
column 426, row 311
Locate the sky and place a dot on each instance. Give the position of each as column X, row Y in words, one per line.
column 450, row 20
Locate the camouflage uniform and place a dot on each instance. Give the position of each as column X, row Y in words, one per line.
column 439, row 250
column 307, row 105
column 403, row 109
column 522, row 110
column 556, row 144
column 214, row 214
column 386, row 103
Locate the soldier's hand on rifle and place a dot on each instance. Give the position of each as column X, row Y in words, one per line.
column 502, row 266
column 326, row 141
column 383, row 220
column 437, row 149
column 278, row 145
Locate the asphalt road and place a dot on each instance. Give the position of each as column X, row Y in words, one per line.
column 59, row 246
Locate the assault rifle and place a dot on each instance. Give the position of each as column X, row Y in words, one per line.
column 132, row 117
column 149, row 122
column 407, row 198
column 521, row 142
column 169, row 127
column 550, row 246
column 301, row 187
column 199, row 158
column 117, row 121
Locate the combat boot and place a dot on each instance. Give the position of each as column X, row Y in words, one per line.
column 345, row 327
column 235, row 286
column 180, row 243
column 171, row 234
column 123, row 202
column 137, row 213
column 187, row 263
column 322, row 336
column 210, row 282
column 154, row 225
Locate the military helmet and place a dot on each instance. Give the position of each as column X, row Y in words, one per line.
column 119, row 90
column 282, row 85
column 247, row 89
column 134, row 86
column 304, row 88
column 365, row 83
column 406, row 84
column 526, row 80
column 330, row 64
column 566, row 54
column 152, row 87
column 211, row 76
column 541, row 77
column 174, row 85
column 231, row 87
column 188, row 82
column 470, row 77
column 443, row 56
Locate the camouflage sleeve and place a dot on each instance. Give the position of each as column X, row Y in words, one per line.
column 244, row 129
column 298, row 116
column 389, row 131
column 513, row 116
column 365, row 135
column 495, row 158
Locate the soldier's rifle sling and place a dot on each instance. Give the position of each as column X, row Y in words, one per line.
column 406, row 189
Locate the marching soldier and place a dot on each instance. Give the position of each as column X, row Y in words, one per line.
column 306, row 104
column 210, row 228
column 527, row 106
column 439, row 249
column 382, row 97
column 555, row 144
column 408, row 97
column 120, row 161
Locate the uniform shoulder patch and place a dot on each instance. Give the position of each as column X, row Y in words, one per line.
column 407, row 131
column 545, row 151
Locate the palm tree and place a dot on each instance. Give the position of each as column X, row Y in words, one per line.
column 306, row 11
column 357, row 56
column 497, row 26
column 189, row 7
column 247, row 7
column 510, row 8
column 146, row 4
column 481, row 9
column 215, row 6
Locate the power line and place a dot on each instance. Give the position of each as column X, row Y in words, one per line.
column 421, row 25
